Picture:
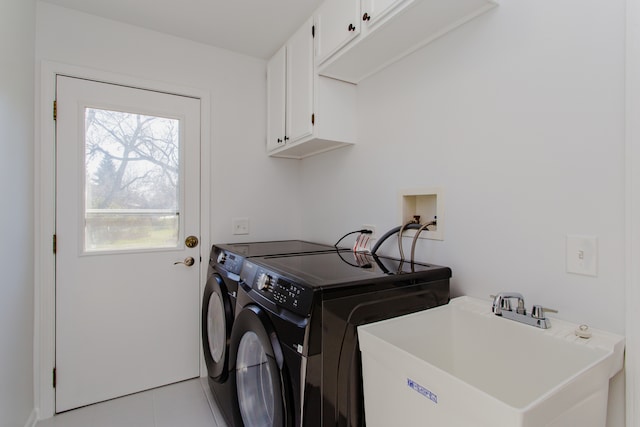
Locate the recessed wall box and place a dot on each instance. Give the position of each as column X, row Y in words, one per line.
column 428, row 204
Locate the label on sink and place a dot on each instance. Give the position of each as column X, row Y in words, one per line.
column 422, row 390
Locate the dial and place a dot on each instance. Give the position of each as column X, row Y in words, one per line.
column 222, row 258
column 264, row 282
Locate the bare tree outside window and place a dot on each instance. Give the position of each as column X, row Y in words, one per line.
column 132, row 164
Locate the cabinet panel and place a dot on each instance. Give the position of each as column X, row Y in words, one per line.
column 337, row 22
column 300, row 83
column 276, row 97
column 375, row 10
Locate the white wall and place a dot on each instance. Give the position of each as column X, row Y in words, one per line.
column 519, row 117
column 245, row 181
column 17, row 26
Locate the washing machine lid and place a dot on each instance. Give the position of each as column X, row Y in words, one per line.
column 342, row 268
column 276, row 247
column 228, row 258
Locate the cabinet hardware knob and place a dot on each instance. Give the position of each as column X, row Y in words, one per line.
column 351, row 27
column 366, row 17
column 286, row 138
column 279, row 140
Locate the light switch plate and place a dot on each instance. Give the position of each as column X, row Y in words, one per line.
column 240, row 226
column 582, row 255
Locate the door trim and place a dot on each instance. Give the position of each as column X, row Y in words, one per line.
column 44, row 205
column 632, row 195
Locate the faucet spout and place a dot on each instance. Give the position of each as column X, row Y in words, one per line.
column 502, row 307
column 501, row 301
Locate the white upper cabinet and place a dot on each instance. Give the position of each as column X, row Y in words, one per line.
column 299, row 121
column 374, row 10
column 307, row 114
column 276, row 98
column 337, row 23
column 390, row 30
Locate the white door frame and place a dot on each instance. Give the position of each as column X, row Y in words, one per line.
column 632, row 120
column 44, row 182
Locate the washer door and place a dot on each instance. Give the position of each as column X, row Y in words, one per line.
column 217, row 320
column 259, row 378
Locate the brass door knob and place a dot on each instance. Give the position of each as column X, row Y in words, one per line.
column 191, row 241
column 188, row 261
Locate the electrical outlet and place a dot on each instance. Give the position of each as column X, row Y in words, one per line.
column 371, row 228
column 582, row 255
column 240, row 225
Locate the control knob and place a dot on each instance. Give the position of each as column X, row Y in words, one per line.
column 264, row 282
column 222, row 258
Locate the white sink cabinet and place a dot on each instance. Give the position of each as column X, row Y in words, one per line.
column 357, row 38
column 306, row 114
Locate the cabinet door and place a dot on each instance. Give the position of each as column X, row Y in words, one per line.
column 276, row 97
column 337, row 22
column 300, row 83
column 374, row 10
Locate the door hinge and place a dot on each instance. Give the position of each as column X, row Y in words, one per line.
column 55, row 110
column 54, row 377
column 54, row 243
column 313, row 119
column 313, row 31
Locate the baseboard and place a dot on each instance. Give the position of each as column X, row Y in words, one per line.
column 33, row 419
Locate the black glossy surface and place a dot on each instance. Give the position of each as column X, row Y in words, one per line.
column 255, row 249
column 345, row 268
column 340, row 291
column 223, row 279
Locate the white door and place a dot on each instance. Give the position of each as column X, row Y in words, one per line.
column 127, row 198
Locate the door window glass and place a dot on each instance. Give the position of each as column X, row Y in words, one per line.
column 255, row 387
column 132, row 170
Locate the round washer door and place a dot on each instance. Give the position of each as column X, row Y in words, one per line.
column 260, row 383
column 217, row 320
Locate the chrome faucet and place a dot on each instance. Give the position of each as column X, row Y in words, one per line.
column 502, row 307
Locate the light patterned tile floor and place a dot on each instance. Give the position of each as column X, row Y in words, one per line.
column 188, row 403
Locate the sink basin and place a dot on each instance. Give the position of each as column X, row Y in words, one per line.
column 460, row 365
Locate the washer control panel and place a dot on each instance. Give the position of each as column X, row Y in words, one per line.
column 228, row 260
column 277, row 289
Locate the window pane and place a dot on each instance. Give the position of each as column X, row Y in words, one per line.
column 131, row 186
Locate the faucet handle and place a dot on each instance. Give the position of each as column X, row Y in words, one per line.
column 539, row 312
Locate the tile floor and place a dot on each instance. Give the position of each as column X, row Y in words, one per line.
column 188, row 403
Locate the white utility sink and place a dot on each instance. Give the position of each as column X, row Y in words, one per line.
column 459, row 365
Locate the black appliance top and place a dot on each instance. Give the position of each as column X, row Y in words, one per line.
column 228, row 258
column 339, row 268
column 277, row 247
column 291, row 281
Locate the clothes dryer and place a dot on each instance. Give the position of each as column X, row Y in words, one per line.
column 218, row 309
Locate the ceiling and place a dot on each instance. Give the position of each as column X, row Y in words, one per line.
column 252, row 27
